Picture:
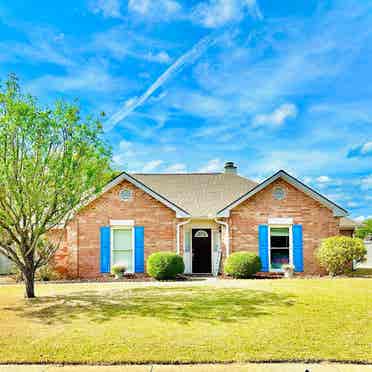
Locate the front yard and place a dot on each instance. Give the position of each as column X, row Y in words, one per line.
column 207, row 321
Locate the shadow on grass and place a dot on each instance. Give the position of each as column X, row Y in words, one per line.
column 181, row 305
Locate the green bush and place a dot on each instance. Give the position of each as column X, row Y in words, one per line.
column 165, row 265
column 337, row 253
column 47, row 273
column 242, row 265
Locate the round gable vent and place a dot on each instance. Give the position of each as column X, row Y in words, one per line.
column 125, row 194
column 279, row 193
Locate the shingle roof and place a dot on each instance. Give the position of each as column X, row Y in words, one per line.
column 200, row 194
column 348, row 224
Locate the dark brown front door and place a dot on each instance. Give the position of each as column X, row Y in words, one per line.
column 201, row 251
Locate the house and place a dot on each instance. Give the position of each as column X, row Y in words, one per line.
column 202, row 216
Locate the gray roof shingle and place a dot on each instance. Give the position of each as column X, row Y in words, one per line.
column 200, row 194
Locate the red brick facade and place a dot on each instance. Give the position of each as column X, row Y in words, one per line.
column 317, row 221
column 83, row 232
column 79, row 254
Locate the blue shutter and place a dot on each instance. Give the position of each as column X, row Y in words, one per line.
column 139, row 249
column 263, row 246
column 105, row 249
column 298, row 259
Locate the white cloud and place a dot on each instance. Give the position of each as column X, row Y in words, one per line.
column 366, row 148
column 277, row 117
column 216, row 13
column 187, row 58
column 362, row 218
column 176, row 168
column 352, row 204
column 108, row 8
column 122, row 43
column 323, row 179
column 43, row 45
column 213, row 165
column 151, row 165
column 155, row 10
column 161, row 57
column 93, row 77
column 366, row 183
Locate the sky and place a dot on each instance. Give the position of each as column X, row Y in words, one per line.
column 188, row 85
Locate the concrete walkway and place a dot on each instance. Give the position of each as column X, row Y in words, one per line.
column 248, row 367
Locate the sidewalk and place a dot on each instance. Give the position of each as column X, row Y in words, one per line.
column 248, row 367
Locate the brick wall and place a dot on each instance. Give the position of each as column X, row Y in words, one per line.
column 82, row 235
column 317, row 221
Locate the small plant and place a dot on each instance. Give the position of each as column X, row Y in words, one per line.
column 242, row 265
column 118, row 271
column 47, row 273
column 288, row 270
column 336, row 254
column 165, row 265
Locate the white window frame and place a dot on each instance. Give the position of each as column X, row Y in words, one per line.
column 122, row 227
column 290, row 245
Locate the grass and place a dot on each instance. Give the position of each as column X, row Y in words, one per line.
column 224, row 321
column 362, row 273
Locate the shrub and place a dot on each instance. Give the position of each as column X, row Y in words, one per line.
column 47, row 273
column 118, row 270
column 242, row 265
column 165, row 265
column 337, row 253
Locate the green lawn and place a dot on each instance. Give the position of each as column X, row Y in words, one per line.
column 220, row 321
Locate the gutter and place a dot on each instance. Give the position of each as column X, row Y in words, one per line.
column 178, row 233
column 227, row 242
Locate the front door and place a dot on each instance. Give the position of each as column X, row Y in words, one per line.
column 201, row 251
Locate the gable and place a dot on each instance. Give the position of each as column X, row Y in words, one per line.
column 337, row 210
column 180, row 213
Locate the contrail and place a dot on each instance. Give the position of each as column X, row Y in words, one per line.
column 188, row 58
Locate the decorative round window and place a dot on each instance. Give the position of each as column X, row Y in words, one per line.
column 279, row 193
column 125, row 195
column 201, row 234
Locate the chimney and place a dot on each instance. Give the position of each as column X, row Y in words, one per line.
column 230, row 168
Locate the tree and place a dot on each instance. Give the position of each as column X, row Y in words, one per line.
column 365, row 230
column 51, row 162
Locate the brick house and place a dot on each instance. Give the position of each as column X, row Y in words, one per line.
column 202, row 216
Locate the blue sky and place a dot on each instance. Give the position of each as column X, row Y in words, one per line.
column 188, row 85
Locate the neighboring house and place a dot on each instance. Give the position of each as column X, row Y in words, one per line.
column 5, row 265
column 201, row 216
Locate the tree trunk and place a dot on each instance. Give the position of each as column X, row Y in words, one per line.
column 29, row 277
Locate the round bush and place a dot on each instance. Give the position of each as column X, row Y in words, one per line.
column 337, row 253
column 242, row 265
column 165, row 265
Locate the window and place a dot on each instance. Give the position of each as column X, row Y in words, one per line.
column 122, row 248
column 279, row 247
column 201, row 234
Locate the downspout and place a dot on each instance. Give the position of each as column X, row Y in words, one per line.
column 227, row 242
column 178, row 233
